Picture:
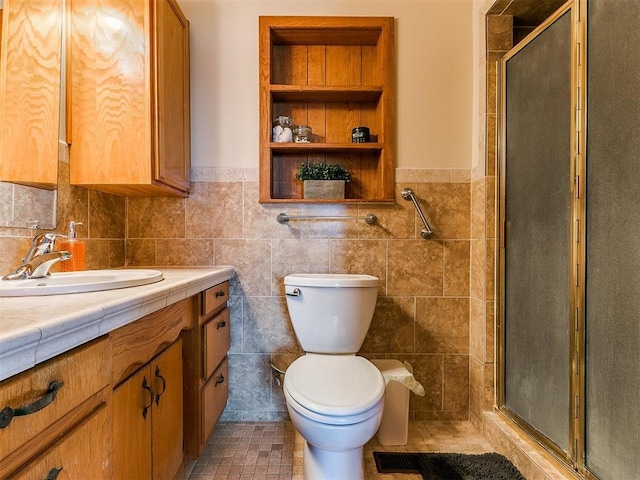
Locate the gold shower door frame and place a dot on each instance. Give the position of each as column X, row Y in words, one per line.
column 574, row 458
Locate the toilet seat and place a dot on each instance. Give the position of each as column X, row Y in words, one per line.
column 325, row 386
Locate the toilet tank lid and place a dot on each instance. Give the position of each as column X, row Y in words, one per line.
column 331, row 280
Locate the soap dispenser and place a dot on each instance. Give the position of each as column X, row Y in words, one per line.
column 77, row 248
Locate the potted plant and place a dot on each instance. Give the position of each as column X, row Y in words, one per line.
column 323, row 180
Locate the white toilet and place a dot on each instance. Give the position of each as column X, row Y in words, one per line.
column 334, row 398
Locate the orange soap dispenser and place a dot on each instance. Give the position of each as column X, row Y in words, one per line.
column 77, row 248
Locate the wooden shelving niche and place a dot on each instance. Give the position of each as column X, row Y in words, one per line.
column 333, row 74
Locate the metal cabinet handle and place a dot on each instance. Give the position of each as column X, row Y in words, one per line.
column 53, row 473
column 221, row 324
column 219, row 380
column 7, row 413
column 164, row 384
column 296, row 293
column 148, row 388
column 219, row 293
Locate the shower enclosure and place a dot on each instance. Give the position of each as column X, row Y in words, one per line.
column 569, row 314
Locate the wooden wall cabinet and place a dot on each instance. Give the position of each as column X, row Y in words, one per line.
column 62, row 433
column 30, row 64
column 207, row 387
column 128, row 97
column 333, row 74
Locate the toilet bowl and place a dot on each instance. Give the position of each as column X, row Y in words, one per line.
column 334, row 398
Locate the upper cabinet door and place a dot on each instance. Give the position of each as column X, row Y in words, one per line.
column 30, row 62
column 129, row 97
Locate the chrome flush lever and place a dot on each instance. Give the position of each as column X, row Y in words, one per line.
column 296, row 293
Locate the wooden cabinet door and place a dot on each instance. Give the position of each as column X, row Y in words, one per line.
column 132, row 427
column 167, row 428
column 172, row 90
column 82, row 454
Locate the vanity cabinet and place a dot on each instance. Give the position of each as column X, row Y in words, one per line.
column 332, row 74
column 148, row 394
column 128, row 90
column 30, row 65
column 147, row 426
column 207, row 388
column 68, row 395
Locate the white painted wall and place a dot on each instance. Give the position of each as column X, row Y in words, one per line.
column 434, row 98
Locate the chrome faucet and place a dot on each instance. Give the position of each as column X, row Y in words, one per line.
column 40, row 258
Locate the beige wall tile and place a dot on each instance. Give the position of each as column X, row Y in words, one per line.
column 252, row 259
column 392, row 327
column 266, row 326
column 260, row 221
column 456, row 383
column 477, row 328
column 368, row 257
column 490, row 324
column 297, row 256
column 476, row 387
column 155, row 217
column 499, row 32
column 447, row 209
column 141, row 252
column 478, row 262
column 442, row 325
column 429, row 371
column 491, row 192
column 107, row 216
column 490, row 272
column 492, row 144
column 214, row 210
column 456, row 267
column 180, row 251
column 478, row 208
column 394, row 221
column 117, row 253
column 326, row 228
column 415, row 267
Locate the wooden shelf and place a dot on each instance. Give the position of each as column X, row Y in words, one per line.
column 321, row 93
column 332, row 74
column 326, row 147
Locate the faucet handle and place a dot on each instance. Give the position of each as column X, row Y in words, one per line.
column 43, row 243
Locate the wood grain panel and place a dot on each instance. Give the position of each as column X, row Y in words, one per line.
column 30, row 63
column 317, row 65
column 289, row 65
column 110, row 81
column 83, row 375
column 344, row 65
column 173, row 156
column 83, row 453
column 132, row 430
column 342, row 117
column 217, row 341
column 135, row 344
column 167, row 411
column 214, row 399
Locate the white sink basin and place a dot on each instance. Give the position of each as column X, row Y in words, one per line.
column 78, row 282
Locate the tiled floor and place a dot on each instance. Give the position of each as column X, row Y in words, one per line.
column 273, row 451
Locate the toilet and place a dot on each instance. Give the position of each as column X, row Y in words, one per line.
column 334, row 398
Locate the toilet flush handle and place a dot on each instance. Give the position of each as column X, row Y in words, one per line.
column 296, row 293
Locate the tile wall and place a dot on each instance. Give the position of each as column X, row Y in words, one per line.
column 423, row 308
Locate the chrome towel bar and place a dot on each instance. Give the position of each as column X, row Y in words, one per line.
column 370, row 218
column 408, row 194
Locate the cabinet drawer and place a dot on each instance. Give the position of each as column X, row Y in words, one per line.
column 81, row 373
column 216, row 341
column 84, row 453
column 214, row 399
column 214, row 297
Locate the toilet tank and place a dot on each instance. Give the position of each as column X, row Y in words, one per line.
column 331, row 313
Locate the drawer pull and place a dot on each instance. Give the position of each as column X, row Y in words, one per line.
column 164, row 384
column 219, row 293
column 7, row 413
column 148, row 388
column 53, row 473
column 221, row 324
column 219, row 380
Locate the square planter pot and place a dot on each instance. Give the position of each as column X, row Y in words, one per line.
column 324, row 189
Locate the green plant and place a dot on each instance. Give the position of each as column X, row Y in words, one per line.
column 322, row 171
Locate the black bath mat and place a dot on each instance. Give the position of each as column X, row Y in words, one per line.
column 448, row 466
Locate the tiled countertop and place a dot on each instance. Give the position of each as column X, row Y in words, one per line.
column 35, row 329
